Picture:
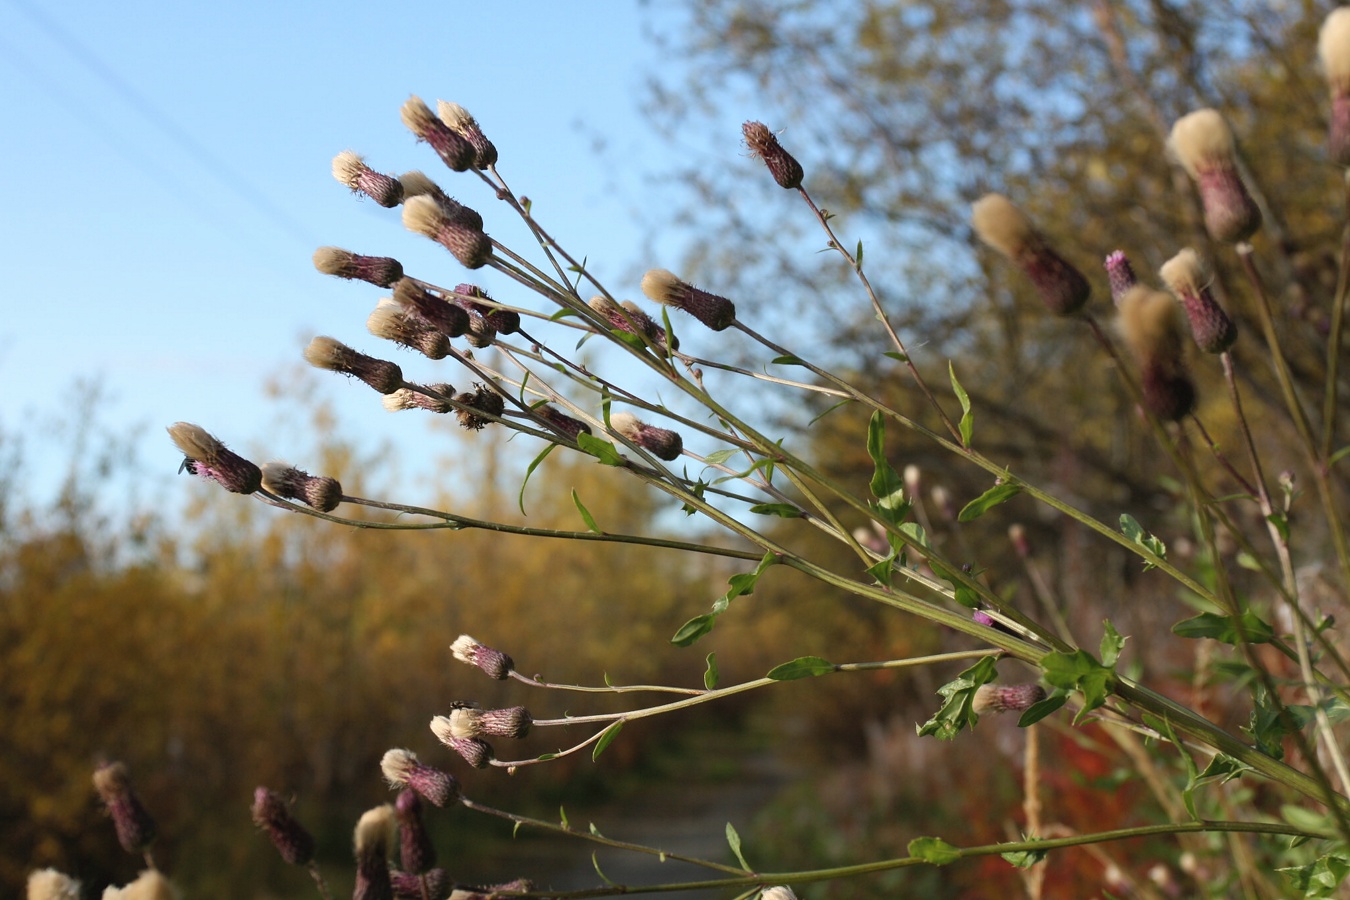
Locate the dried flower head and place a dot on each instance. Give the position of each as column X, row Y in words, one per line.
column 480, row 333
column 467, row 722
column 1120, row 275
column 1186, row 277
column 474, row 299
column 660, row 442
column 395, row 321
column 318, row 491
column 1003, row 227
column 718, row 313
column 475, row 751
column 49, row 884
column 409, row 886
column 782, row 165
column 372, row 839
column 351, row 170
column 469, row 245
column 206, row 456
column 997, row 698
column 630, row 319
column 562, row 423
column 437, row 313
column 457, row 118
column 1148, row 323
column 1333, row 46
column 335, row 356
column 378, row 270
column 480, row 403
column 494, row 662
column 452, row 148
column 149, row 885
column 402, row 768
column 135, row 828
column 407, row 398
column 273, row 815
column 417, row 184
column 1204, row 145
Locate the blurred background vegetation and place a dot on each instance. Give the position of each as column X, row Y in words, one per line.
column 227, row 645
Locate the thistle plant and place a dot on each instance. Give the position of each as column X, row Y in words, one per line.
column 649, row 411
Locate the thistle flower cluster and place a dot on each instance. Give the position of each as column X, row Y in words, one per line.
column 480, row 407
column 494, row 663
column 335, row 356
column 402, row 768
column 718, row 313
column 380, row 271
column 394, row 321
column 273, row 815
column 318, row 491
column 1148, row 323
column 1003, row 227
column 206, row 456
column 659, row 442
column 630, row 319
column 1203, row 144
column 782, row 165
column 351, row 169
column 135, row 829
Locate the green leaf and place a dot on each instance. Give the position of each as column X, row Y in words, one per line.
column 694, row 629
column 710, row 675
column 562, row 816
column 957, row 710
column 967, row 417
column 717, row 457
column 595, row 860
column 1079, row 671
column 1135, row 532
column 734, row 840
column 883, row 570
column 788, row 361
column 602, row 450
column 802, row 667
column 1219, row 627
column 934, row 850
column 1025, row 859
column 782, row 510
column 886, row 485
column 894, row 355
column 585, row 514
column 1111, row 645
column 529, row 470
column 844, row 402
column 1042, row 708
column 857, row 260
column 1338, row 456
column 606, row 738
column 1321, row 878
column 1281, row 523
column 999, row 493
column 914, row 531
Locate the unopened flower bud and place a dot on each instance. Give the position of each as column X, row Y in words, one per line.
column 659, row 442
column 440, row 314
column 457, row 118
column 1333, row 46
column 476, row 751
column 49, row 884
column 503, row 321
column 1203, row 144
column 335, row 356
column 494, row 662
column 373, row 837
column 397, row 322
column 416, row 853
column 997, row 698
column 782, row 165
column 980, row 617
column 407, row 885
column 469, row 245
column 318, row 491
column 1120, row 275
column 406, row 398
column 417, row 184
column 1003, row 227
column 1148, row 324
column 135, row 829
column 351, row 170
column 206, row 456
column 481, row 403
column 564, row 424
column 452, row 148
column 1185, row 276
column 273, row 815
column 378, row 270
column 403, row 768
column 718, row 313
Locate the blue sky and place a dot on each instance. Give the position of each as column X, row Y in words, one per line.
column 168, row 178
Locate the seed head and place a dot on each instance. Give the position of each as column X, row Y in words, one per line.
column 318, row 491
column 351, row 170
column 49, row 884
column 135, row 829
column 454, row 150
column 393, row 321
column 482, row 399
column 416, row 852
column 402, row 768
column 468, row 722
column 1148, row 323
column 660, row 442
column 416, row 184
column 335, row 356
column 273, row 815
column 150, row 885
column 1185, row 276
column 378, row 270
column 445, row 317
column 406, row 398
column 1120, row 274
column 562, row 423
column 629, row 317
column 494, row 662
column 471, row 297
column 997, row 698
column 457, row 118
column 204, row 455
column 1203, row 144
column 782, row 165
column 1333, row 46
column 718, row 313
column 373, row 836
column 407, row 885
column 1003, row 227
column 426, row 216
column 476, row 751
